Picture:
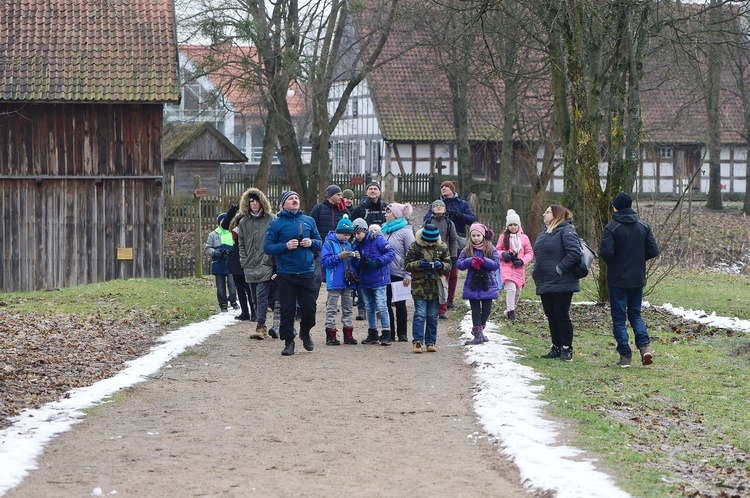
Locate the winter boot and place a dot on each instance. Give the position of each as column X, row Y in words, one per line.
column 260, row 332
column 348, row 336
column 484, row 337
column 554, row 352
column 416, row 347
column 566, row 353
column 403, row 338
column 331, row 339
column 385, row 338
column 289, row 347
column 307, row 341
column 646, row 355
column 372, row 337
column 476, row 331
column 625, row 360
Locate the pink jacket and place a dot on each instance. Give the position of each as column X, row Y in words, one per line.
column 508, row 272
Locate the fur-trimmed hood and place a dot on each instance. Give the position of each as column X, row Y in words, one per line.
column 245, row 201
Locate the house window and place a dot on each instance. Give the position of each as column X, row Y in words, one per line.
column 340, row 157
column 355, row 107
column 665, row 153
column 353, row 157
column 375, row 156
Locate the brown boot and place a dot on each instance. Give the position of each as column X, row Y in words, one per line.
column 260, row 332
column 646, row 355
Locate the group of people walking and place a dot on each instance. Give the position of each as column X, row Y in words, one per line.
column 365, row 253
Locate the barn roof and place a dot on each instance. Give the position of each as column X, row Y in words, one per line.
column 88, row 51
column 199, row 141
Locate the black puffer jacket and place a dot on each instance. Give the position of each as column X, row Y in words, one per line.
column 327, row 216
column 372, row 212
column 559, row 249
column 627, row 243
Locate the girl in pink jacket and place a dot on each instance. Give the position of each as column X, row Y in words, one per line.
column 515, row 254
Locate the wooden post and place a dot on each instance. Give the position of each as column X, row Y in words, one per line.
column 197, row 219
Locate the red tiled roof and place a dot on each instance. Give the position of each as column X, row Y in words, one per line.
column 88, row 51
column 231, row 68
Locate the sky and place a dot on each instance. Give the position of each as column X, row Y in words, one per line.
column 507, row 405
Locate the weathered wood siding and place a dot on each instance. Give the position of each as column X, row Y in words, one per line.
column 77, row 183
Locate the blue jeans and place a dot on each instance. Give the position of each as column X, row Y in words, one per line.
column 621, row 300
column 223, row 281
column 259, row 292
column 425, row 313
column 376, row 301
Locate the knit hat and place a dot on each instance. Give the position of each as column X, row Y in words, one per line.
column 348, row 194
column 372, row 184
column 359, row 225
column 430, row 233
column 220, row 217
column 345, row 226
column 450, row 184
column 622, row 201
column 438, row 203
column 512, row 217
column 487, row 233
column 332, row 190
column 400, row 210
column 285, row 195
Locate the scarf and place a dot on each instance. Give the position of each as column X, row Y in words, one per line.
column 340, row 206
column 515, row 243
column 393, row 225
column 479, row 246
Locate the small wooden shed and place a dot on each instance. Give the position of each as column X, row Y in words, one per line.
column 82, row 90
column 197, row 149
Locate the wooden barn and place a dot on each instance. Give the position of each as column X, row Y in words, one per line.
column 196, row 149
column 82, row 89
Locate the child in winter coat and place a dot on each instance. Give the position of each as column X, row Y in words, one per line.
column 516, row 254
column 480, row 258
column 376, row 255
column 427, row 260
column 218, row 246
column 335, row 256
column 450, row 237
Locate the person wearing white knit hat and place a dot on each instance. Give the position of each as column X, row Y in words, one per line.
column 515, row 254
column 400, row 235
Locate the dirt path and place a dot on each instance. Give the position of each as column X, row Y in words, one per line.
column 235, row 418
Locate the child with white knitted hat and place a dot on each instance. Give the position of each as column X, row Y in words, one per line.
column 515, row 253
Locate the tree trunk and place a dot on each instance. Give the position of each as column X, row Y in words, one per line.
column 266, row 158
column 713, row 94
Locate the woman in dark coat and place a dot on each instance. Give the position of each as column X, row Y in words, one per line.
column 557, row 250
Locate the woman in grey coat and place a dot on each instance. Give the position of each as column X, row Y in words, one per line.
column 399, row 235
column 557, row 250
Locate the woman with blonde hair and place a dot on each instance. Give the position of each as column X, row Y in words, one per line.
column 557, row 250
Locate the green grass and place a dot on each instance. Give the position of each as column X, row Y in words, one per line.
column 652, row 425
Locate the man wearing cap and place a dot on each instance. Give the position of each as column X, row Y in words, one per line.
column 372, row 210
column 256, row 264
column 460, row 213
column 627, row 243
column 293, row 239
column 327, row 215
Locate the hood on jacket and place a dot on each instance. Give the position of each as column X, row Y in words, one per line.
column 245, row 201
column 626, row 216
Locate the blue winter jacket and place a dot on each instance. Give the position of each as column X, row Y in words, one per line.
column 458, row 210
column 288, row 226
column 335, row 267
column 490, row 267
column 374, row 247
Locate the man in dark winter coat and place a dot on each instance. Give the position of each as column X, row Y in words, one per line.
column 327, row 215
column 293, row 239
column 627, row 243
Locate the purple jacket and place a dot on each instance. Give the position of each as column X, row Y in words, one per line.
column 489, row 267
column 374, row 247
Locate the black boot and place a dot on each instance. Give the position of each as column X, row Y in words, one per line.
column 289, row 347
column 372, row 337
column 331, row 339
column 554, row 352
column 385, row 338
column 307, row 341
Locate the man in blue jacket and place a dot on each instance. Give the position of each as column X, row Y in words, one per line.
column 293, row 239
column 627, row 243
column 460, row 213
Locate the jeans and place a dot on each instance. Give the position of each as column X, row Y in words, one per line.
column 425, row 313
column 293, row 289
column 223, row 281
column 621, row 300
column 259, row 292
column 557, row 308
column 401, row 313
column 376, row 302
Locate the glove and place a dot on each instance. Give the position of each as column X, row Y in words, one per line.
column 372, row 263
column 230, row 216
column 453, row 214
column 345, row 255
column 517, row 262
column 425, row 264
column 507, row 256
column 438, row 265
column 476, row 263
